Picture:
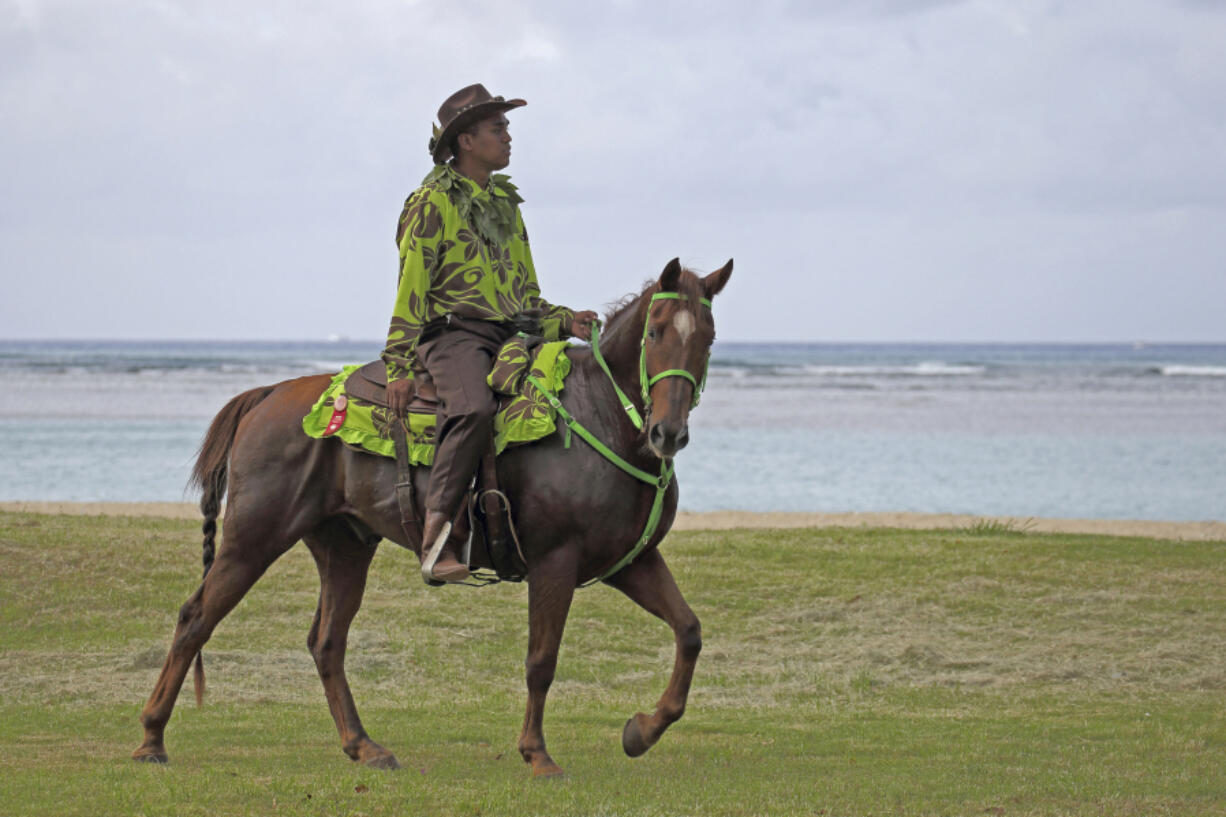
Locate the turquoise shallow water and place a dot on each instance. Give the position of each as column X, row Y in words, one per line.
column 1140, row 476
column 1111, row 431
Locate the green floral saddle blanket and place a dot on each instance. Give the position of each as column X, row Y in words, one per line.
column 524, row 415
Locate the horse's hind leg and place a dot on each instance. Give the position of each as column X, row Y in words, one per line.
column 650, row 584
column 232, row 575
column 343, row 560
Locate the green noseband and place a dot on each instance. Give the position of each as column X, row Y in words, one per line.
column 648, row 382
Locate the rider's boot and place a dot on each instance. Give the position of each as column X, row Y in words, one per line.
column 439, row 564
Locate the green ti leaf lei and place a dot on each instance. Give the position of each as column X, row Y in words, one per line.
column 491, row 217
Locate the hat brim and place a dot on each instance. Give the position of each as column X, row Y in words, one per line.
column 483, row 110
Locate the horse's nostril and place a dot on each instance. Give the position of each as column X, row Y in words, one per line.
column 665, row 440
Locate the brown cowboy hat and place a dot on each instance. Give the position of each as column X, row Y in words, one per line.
column 461, row 109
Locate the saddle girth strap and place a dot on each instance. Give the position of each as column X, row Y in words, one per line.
column 404, row 485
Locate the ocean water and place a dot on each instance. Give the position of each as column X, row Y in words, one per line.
column 1109, row 431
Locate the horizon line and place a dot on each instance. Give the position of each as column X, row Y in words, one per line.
column 1137, row 342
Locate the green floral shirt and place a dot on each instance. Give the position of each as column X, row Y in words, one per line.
column 463, row 251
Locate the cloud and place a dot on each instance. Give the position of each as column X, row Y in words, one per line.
column 835, row 148
column 535, row 44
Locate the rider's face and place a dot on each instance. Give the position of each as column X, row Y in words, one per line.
column 488, row 142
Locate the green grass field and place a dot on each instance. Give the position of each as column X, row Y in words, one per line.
column 845, row 672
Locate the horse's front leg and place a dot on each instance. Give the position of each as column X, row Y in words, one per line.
column 551, row 586
column 649, row 582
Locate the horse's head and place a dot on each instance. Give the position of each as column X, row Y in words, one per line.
column 678, row 330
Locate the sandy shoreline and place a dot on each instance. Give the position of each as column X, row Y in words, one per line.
column 723, row 520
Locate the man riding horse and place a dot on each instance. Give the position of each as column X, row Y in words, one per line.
column 466, row 285
column 589, row 512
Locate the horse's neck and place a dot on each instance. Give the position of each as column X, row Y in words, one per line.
column 621, row 348
column 594, row 404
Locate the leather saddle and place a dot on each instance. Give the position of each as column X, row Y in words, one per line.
column 485, row 514
column 369, row 383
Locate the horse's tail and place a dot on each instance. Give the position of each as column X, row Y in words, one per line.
column 209, row 475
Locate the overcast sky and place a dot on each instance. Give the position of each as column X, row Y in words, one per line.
column 879, row 169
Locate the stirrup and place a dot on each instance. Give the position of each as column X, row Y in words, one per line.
column 436, row 550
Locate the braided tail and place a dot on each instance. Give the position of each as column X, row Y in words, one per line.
column 209, row 475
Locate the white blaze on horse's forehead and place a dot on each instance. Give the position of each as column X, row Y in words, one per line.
column 683, row 322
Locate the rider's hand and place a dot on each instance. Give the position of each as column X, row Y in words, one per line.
column 399, row 393
column 581, row 326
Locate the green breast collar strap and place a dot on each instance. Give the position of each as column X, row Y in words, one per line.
column 665, row 477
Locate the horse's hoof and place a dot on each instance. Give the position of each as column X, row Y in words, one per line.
column 387, row 761
column 633, row 741
column 547, row 770
column 147, row 755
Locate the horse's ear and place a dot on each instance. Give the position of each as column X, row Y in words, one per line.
column 714, row 282
column 671, row 276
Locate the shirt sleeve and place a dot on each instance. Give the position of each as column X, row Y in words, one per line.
column 555, row 320
column 419, row 232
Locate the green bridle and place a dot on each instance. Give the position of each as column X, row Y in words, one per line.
column 646, row 381
column 665, row 477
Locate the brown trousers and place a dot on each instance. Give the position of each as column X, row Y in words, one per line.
column 459, row 357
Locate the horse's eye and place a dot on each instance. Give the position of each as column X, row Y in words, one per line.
column 651, row 334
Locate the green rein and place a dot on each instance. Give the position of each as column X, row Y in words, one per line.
column 665, row 477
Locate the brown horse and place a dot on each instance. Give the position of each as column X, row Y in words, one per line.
column 285, row 486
